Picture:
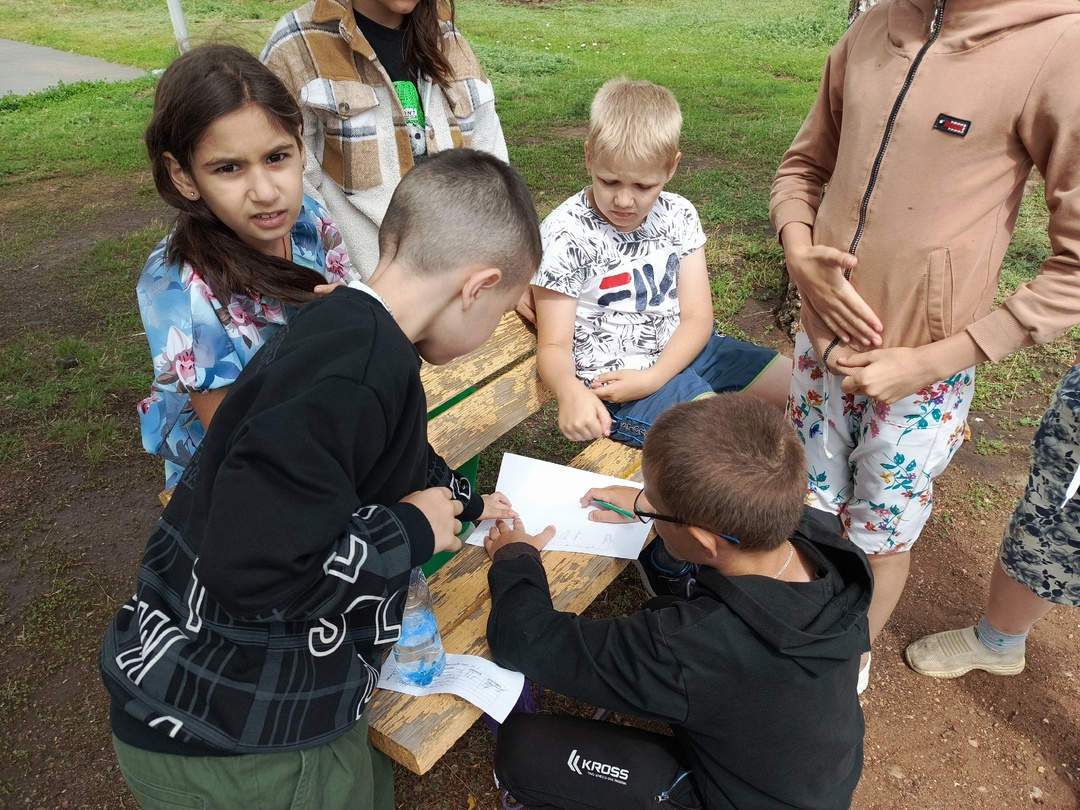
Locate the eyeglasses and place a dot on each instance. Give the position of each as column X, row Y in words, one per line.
column 645, row 517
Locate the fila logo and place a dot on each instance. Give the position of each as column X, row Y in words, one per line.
column 587, row 767
column 952, row 125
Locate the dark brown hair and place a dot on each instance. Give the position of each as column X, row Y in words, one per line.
column 423, row 47
column 730, row 463
column 462, row 207
column 195, row 91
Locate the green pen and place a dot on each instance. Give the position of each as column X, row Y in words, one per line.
column 614, row 508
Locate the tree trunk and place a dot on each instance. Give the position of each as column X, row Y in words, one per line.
column 787, row 311
column 857, row 7
column 790, row 306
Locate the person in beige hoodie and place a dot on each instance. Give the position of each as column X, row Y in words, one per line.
column 895, row 205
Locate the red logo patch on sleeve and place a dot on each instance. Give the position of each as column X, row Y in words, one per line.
column 952, row 125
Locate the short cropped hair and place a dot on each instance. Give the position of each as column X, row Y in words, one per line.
column 458, row 208
column 635, row 121
column 730, row 463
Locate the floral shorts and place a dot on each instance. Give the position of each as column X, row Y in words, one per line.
column 873, row 464
column 1041, row 548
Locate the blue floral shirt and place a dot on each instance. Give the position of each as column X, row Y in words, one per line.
column 198, row 344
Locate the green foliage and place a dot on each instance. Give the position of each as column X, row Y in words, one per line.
column 816, row 27
column 981, row 498
column 1030, row 244
column 136, row 32
column 513, row 63
column 74, row 130
column 80, row 391
column 990, row 447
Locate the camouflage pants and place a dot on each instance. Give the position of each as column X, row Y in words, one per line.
column 1041, row 547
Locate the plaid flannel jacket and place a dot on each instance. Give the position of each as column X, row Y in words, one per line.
column 355, row 132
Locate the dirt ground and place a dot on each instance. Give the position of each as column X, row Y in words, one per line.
column 71, row 536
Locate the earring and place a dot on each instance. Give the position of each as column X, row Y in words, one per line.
column 192, row 193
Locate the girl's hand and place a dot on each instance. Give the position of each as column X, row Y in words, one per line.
column 818, row 271
column 621, row 497
column 326, row 289
column 497, row 506
column 891, row 374
column 886, row 375
column 441, row 509
column 624, row 385
column 503, row 533
column 582, row 416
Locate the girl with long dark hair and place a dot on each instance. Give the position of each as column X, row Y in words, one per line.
column 248, row 248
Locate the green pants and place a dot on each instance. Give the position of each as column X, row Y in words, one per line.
column 346, row 774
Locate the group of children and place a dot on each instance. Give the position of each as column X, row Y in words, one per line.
column 273, row 583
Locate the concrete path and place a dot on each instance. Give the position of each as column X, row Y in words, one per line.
column 29, row 68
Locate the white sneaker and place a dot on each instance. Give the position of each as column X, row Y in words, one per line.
column 954, row 652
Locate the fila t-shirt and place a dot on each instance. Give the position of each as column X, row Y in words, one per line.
column 626, row 284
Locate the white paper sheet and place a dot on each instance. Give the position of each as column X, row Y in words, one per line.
column 484, row 684
column 550, row 494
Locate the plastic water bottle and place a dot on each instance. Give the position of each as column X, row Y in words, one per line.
column 419, row 652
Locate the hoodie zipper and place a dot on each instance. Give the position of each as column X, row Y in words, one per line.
column 935, row 30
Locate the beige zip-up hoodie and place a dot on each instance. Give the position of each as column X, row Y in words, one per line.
column 929, row 118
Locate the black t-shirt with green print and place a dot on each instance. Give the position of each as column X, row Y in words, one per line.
column 389, row 47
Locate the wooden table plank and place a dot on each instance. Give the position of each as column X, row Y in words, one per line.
column 480, row 419
column 511, row 342
column 417, row 731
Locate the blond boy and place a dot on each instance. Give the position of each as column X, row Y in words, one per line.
column 623, row 302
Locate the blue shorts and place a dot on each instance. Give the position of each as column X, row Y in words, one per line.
column 725, row 365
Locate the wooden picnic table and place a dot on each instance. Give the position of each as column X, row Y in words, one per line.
column 417, row 731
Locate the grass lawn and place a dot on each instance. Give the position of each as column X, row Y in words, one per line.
column 744, row 75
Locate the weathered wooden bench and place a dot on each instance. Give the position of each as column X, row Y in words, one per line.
column 417, row 731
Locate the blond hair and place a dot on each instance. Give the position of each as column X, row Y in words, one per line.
column 635, row 121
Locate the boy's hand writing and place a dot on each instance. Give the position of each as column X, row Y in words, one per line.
column 818, row 271
column 441, row 509
column 624, row 385
column 503, row 533
column 620, row 497
column 497, row 506
column 582, row 416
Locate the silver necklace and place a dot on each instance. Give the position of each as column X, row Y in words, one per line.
column 787, row 562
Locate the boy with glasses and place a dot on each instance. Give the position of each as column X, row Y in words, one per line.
column 754, row 669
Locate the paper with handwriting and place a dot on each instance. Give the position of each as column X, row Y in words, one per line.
column 484, row 684
column 544, row 494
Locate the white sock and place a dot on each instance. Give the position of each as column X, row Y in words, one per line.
column 996, row 641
